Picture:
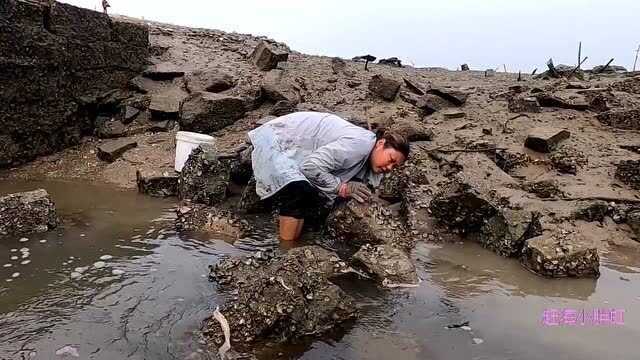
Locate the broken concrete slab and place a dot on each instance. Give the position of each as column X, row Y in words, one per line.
column 505, row 232
column 282, row 298
column 110, row 151
column 523, row 104
column 357, row 223
column 561, row 254
column 389, row 264
column 453, row 114
column 414, row 88
column 109, row 128
column 456, row 97
column 545, row 139
column 412, row 130
column 626, row 119
column 157, row 185
column 384, row 87
column 266, row 57
column 205, row 176
column 27, row 212
column 163, row 71
column 214, row 81
column 165, row 106
column 277, row 86
column 628, row 171
column 548, row 100
column 206, row 112
column 203, row 218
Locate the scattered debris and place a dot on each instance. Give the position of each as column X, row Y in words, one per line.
column 568, row 160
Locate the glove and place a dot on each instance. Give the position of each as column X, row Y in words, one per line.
column 355, row 190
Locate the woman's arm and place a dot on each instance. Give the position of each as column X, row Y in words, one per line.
column 343, row 153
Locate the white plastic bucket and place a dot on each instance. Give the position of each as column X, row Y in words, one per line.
column 186, row 142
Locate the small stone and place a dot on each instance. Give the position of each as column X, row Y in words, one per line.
column 75, row 275
column 117, row 272
column 68, row 351
column 14, row 258
column 15, row 275
column 25, row 262
column 7, row 265
column 99, row 264
column 24, row 240
column 544, row 139
column 24, row 249
column 14, row 250
column 465, row 328
column 43, row 241
column 106, row 257
column 81, row 269
column 477, row 341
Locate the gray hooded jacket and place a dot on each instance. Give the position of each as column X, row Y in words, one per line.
column 320, row 148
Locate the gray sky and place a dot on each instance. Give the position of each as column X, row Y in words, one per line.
column 522, row 34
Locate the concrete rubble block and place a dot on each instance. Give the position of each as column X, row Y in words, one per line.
column 568, row 160
column 453, row 114
column 561, row 254
column 505, row 232
column 462, row 208
column 282, row 298
column 129, row 114
column 412, row 130
column 545, row 139
column 141, row 84
column 165, row 106
column 157, row 185
column 266, row 57
column 205, row 176
column 108, row 128
column 338, row 65
column 548, row 100
column 283, row 107
column 250, row 202
column 593, row 211
column 454, row 96
column 523, row 104
column 203, row 218
column 633, row 220
column 110, row 151
column 27, row 212
column 413, row 87
column 206, row 112
column 163, row 71
column 277, row 86
column 375, row 222
column 626, row 119
column 628, row 171
column 214, row 81
column 384, row 87
column 389, row 264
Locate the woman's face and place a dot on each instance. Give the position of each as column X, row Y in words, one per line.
column 383, row 160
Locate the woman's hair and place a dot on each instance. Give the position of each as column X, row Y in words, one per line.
column 393, row 140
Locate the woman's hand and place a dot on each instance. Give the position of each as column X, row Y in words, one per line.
column 356, row 190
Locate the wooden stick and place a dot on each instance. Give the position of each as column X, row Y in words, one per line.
column 504, row 125
column 505, row 67
column 606, row 66
column 577, row 67
column 519, row 75
column 636, row 60
column 579, row 53
column 534, row 71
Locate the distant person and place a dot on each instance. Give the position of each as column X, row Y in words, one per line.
column 105, row 6
column 306, row 157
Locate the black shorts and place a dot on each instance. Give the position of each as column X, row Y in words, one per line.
column 297, row 199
